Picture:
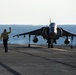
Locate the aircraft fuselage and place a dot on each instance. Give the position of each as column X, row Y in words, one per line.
column 52, row 30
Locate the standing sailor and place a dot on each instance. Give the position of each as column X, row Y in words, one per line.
column 5, row 37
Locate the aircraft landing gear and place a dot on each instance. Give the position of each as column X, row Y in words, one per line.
column 71, row 42
column 29, row 41
column 71, row 47
column 48, row 45
column 51, row 46
column 50, row 42
column 29, row 45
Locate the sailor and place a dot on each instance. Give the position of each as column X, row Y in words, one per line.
column 5, row 37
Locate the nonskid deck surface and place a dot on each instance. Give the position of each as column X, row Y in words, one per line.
column 37, row 60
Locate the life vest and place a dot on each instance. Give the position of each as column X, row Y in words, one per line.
column 5, row 36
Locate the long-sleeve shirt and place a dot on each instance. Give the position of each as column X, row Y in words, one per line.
column 4, row 35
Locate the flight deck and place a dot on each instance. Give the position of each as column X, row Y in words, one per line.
column 37, row 60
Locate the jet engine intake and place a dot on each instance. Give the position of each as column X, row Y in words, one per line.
column 35, row 39
column 59, row 33
column 45, row 32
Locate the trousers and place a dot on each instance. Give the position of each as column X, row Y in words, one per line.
column 5, row 44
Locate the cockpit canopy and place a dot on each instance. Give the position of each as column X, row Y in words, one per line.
column 53, row 28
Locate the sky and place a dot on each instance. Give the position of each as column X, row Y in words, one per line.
column 37, row 12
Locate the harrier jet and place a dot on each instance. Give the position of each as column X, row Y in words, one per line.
column 51, row 33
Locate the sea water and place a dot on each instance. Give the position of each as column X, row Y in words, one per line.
column 18, row 29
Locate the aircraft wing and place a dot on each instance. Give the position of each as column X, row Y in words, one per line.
column 66, row 33
column 35, row 32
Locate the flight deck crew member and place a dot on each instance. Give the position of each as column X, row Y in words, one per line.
column 5, row 37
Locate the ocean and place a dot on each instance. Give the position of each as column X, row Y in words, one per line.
column 17, row 29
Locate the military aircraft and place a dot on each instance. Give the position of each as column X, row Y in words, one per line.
column 51, row 33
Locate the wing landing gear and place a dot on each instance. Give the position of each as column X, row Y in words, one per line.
column 71, row 42
column 29, row 41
